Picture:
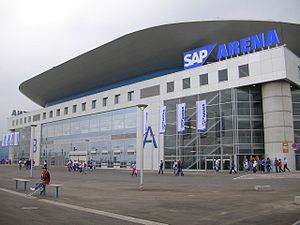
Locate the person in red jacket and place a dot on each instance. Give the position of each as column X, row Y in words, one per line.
column 280, row 166
column 45, row 180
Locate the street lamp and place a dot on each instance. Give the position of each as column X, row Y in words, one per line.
column 32, row 146
column 142, row 108
column 87, row 149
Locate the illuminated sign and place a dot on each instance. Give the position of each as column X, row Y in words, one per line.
column 197, row 57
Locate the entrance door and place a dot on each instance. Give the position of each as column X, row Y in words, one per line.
column 210, row 163
column 226, row 163
column 297, row 162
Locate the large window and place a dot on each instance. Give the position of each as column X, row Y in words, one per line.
column 74, row 108
column 223, row 75
column 170, row 87
column 66, row 109
column 96, row 133
column 104, row 101
column 244, row 71
column 94, row 104
column 296, row 118
column 234, row 128
column 203, row 79
column 130, row 96
column 117, row 99
column 186, row 83
column 83, row 106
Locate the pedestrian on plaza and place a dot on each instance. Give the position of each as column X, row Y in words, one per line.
column 285, row 162
column 81, row 167
column 232, row 168
column 94, row 164
column 20, row 164
column 246, row 165
column 276, row 164
column 280, row 166
column 161, row 167
column 268, row 165
column 217, row 165
column 179, row 168
column 45, row 163
column 133, row 167
column 254, row 166
column 175, row 167
column 69, row 165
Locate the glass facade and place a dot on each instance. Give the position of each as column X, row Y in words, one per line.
column 234, row 129
column 22, row 151
column 296, row 117
column 109, row 138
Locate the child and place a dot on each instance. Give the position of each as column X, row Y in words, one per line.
column 45, row 180
column 133, row 166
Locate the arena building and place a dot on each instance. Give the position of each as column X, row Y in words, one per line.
column 226, row 90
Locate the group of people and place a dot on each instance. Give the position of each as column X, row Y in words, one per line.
column 266, row 165
column 177, row 167
column 217, row 166
column 26, row 163
column 134, row 170
column 255, row 165
column 80, row 166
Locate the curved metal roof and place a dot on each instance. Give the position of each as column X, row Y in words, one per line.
column 143, row 52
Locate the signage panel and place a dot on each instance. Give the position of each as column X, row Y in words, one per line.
column 197, row 57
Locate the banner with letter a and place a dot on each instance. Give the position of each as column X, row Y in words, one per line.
column 146, row 120
column 180, row 117
column 162, row 120
column 201, row 115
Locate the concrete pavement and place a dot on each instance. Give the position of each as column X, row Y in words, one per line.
column 201, row 198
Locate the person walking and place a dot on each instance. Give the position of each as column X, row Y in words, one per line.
column 179, row 168
column 276, row 164
column 232, row 168
column 254, row 166
column 285, row 164
column 280, row 166
column 175, row 167
column 45, row 163
column 133, row 167
column 161, row 167
column 20, row 164
column 217, row 165
column 268, row 165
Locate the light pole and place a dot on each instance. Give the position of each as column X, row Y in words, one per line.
column 87, row 149
column 142, row 108
column 33, row 146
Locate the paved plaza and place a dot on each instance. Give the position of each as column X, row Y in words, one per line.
column 106, row 196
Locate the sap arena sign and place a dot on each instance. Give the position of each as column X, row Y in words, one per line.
column 197, row 57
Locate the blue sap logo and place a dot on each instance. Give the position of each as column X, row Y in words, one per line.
column 198, row 56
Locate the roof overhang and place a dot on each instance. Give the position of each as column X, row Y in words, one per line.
column 144, row 52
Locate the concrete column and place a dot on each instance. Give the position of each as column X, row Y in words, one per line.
column 139, row 138
column 278, row 121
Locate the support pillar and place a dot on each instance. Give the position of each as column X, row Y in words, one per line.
column 278, row 121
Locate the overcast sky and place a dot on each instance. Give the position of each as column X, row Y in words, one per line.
column 36, row 35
